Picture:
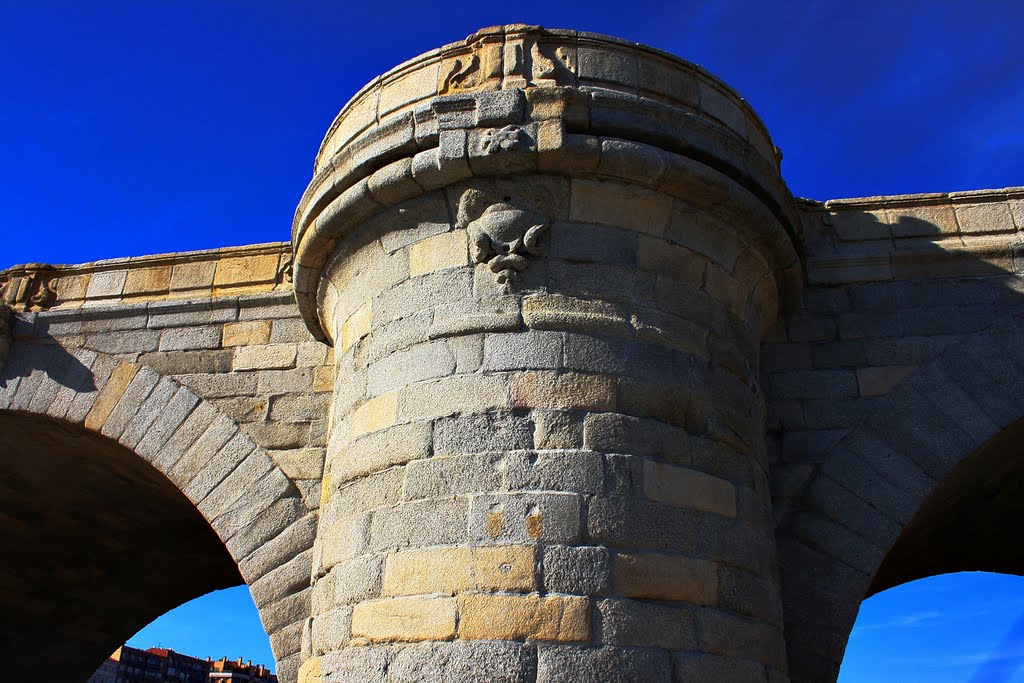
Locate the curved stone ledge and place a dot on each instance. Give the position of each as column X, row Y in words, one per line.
column 519, row 99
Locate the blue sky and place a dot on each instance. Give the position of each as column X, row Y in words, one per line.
column 131, row 128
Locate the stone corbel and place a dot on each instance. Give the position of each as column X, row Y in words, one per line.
column 503, row 236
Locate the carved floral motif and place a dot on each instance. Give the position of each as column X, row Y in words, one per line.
column 29, row 287
column 501, row 139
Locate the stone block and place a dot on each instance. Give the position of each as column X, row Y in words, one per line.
column 440, row 252
column 265, row 357
column 406, row 619
column 557, row 312
column 434, row 570
column 190, row 338
column 242, row 273
column 555, row 429
column 614, row 433
column 187, row 276
column 423, row 361
column 696, row 666
column 298, row 407
column 380, row 489
column 196, row 363
column 585, row 243
column 581, row 570
column 732, row 636
column 493, row 431
column 576, row 471
column 381, row 449
column 418, row 524
column 341, row 539
column 247, row 333
column 510, row 568
column 684, row 487
column 656, row 576
column 453, row 475
column 375, row 414
column 563, row 390
column 522, row 350
column 640, row 623
column 356, row 580
column 106, row 284
column 561, row 664
column 632, row 523
column 628, row 207
column 331, row 630
column 142, row 281
column 878, row 381
column 488, row 616
column 452, row 395
column 457, row 662
column 525, row 518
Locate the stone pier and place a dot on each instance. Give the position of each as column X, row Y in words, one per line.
column 545, row 261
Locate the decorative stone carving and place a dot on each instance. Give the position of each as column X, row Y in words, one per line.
column 5, row 333
column 502, row 139
column 516, row 59
column 29, row 287
column 502, row 235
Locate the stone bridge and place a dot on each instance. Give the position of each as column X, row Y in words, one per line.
column 555, row 381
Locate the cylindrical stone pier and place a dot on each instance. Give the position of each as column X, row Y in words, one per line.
column 545, row 260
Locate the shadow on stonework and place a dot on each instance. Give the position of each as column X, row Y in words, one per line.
column 896, row 442
column 60, row 366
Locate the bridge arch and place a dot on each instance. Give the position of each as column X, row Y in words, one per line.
column 936, row 461
column 170, row 457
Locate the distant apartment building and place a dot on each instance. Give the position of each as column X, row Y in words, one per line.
column 160, row 665
column 155, row 665
column 225, row 670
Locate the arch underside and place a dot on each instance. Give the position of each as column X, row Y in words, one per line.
column 96, row 543
column 970, row 522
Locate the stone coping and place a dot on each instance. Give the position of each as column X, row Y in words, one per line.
column 510, row 56
column 205, row 274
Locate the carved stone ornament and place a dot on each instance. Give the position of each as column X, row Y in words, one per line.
column 29, row 287
column 516, row 59
column 499, row 140
column 5, row 333
column 502, row 235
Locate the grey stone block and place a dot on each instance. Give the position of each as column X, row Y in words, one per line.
column 291, row 577
column 417, row 363
column 724, row 634
column 355, row 665
column 190, row 338
column 696, row 666
column 613, row 433
column 356, row 579
column 575, row 471
column 525, row 518
column 137, row 341
column 188, row 362
column 495, row 431
column 580, row 570
column 523, row 350
column 477, row 661
column 636, row 523
column 643, row 623
column 298, row 407
column 573, row 664
column 331, row 630
column 282, row 531
column 217, row 385
column 380, row 489
column 453, row 475
column 417, row 524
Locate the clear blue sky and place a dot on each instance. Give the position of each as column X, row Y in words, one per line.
column 140, row 127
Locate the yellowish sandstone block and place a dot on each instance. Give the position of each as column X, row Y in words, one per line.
column 567, row 391
column 683, row 487
column 447, row 250
column 142, row 281
column 356, row 327
column 404, row 619
column 247, row 333
column 111, row 393
column 488, row 616
column 505, row 568
column 309, row 672
column 437, row 570
column 378, row 413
